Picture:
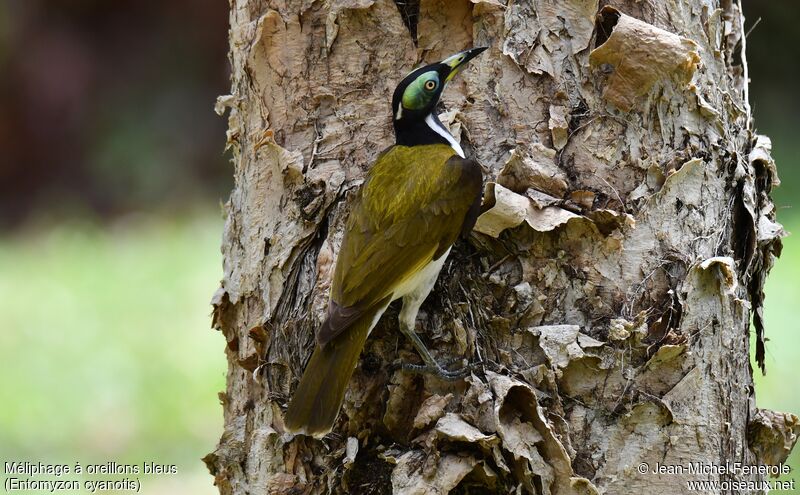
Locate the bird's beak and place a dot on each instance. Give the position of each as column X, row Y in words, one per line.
column 459, row 60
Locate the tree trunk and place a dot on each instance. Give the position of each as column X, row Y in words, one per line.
column 607, row 289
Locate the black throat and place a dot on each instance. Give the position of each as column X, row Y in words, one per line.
column 415, row 131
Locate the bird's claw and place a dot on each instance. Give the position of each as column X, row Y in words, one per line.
column 439, row 371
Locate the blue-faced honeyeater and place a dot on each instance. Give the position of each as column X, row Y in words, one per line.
column 416, row 200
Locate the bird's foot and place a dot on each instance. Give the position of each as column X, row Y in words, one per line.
column 431, row 366
column 438, row 370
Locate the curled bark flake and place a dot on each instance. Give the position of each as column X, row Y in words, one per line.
column 527, row 434
column 351, row 451
column 757, row 233
column 508, row 209
column 224, row 102
column 686, row 184
column 639, row 55
column 664, row 370
column 726, row 273
column 453, row 428
column 559, row 125
column 533, row 168
column 431, row 410
column 687, row 399
column 607, row 221
column 409, row 477
column 559, row 343
column 761, row 157
column 772, row 435
column 404, row 394
column 665, row 354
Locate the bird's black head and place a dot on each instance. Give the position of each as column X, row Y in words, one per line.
column 415, row 98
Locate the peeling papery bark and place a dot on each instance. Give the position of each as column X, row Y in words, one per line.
column 638, row 56
column 607, row 289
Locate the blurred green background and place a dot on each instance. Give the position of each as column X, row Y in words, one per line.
column 773, row 53
column 111, row 176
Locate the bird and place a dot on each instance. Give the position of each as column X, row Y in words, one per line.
column 419, row 196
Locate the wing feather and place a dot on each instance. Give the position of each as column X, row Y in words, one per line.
column 412, row 207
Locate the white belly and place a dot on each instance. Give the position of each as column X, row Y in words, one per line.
column 422, row 280
column 414, row 289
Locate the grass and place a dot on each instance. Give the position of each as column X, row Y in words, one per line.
column 108, row 356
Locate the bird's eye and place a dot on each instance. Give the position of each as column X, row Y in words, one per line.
column 430, row 85
column 461, row 58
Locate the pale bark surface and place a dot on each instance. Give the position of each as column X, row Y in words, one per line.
column 608, row 288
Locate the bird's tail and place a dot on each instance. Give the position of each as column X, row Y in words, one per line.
column 316, row 402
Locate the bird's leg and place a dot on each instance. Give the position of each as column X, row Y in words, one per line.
column 430, row 366
column 408, row 316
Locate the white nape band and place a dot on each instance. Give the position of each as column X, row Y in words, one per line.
column 399, row 114
column 440, row 130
